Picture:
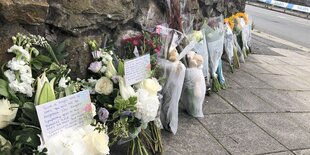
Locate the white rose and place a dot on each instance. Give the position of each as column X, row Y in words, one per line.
column 150, row 85
column 104, row 86
column 7, row 113
column 97, row 143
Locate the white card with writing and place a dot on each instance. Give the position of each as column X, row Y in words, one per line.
column 137, row 69
column 72, row 111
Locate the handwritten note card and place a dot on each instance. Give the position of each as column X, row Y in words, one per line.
column 137, row 69
column 72, row 111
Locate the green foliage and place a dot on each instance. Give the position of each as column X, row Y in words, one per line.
column 4, row 91
column 120, row 68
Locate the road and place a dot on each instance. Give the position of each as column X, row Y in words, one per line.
column 287, row 27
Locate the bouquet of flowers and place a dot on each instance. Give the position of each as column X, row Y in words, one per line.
column 194, row 88
column 215, row 40
column 202, row 49
column 32, row 78
column 173, row 72
column 236, row 28
column 130, row 111
column 229, row 46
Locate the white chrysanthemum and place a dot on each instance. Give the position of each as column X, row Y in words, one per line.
column 23, row 87
column 20, row 49
column 10, row 75
column 147, row 106
column 27, row 78
column 104, row 86
column 16, row 65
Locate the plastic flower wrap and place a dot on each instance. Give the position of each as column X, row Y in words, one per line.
column 194, row 87
column 229, row 46
column 172, row 89
column 215, row 40
column 200, row 46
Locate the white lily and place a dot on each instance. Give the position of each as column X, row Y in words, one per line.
column 125, row 91
column 45, row 90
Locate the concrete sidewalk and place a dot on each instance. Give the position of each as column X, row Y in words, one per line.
column 264, row 110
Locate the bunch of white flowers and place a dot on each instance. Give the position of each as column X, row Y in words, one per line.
column 80, row 141
column 148, row 101
column 103, row 63
column 19, row 73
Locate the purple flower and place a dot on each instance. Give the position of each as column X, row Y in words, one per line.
column 103, row 114
column 95, row 66
column 126, row 113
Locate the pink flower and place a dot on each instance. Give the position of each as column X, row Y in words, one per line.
column 88, row 107
column 95, row 66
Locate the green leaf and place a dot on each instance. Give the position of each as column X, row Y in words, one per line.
column 60, row 48
column 120, row 68
column 27, row 137
column 13, row 96
column 44, row 58
column 37, row 64
column 47, row 94
column 29, row 110
column 4, row 88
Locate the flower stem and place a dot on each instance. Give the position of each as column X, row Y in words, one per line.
column 24, row 125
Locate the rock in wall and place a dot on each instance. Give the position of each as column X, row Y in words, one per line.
column 78, row 21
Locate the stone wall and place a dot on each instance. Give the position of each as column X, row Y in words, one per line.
column 77, row 21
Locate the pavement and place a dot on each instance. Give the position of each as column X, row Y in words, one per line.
column 264, row 110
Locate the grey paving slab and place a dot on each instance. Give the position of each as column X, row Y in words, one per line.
column 302, row 152
column 191, row 138
column 248, row 81
column 295, row 61
column 283, row 129
column 274, row 69
column 245, row 101
column 301, row 96
column 301, row 119
column 229, row 82
column 214, row 104
column 254, row 68
column 296, row 70
column 279, row 153
column 239, row 135
column 283, row 101
column 284, row 82
column 273, row 60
